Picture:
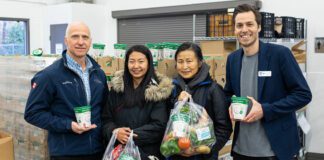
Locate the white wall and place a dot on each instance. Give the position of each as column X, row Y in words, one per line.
column 129, row 4
column 95, row 16
column 54, row 14
column 31, row 11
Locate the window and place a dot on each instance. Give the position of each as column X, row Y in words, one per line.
column 14, row 36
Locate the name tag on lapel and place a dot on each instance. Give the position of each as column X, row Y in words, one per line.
column 264, row 73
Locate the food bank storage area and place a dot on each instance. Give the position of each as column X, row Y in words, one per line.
column 162, row 26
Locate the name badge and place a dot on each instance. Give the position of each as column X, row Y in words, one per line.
column 264, row 73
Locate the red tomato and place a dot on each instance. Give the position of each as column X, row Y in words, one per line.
column 184, row 143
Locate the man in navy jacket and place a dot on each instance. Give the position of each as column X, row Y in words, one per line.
column 270, row 77
column 75, row 80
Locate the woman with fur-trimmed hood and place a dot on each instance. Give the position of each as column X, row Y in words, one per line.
column 137, row 101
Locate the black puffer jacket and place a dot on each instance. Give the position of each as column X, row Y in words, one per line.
column 210, row 95
column 148, row 121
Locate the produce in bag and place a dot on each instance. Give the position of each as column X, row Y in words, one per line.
column 189, row 131
column 120, row 152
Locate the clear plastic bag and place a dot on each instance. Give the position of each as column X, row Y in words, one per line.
column 128, row 152
column 112, row 153
column 190, row 131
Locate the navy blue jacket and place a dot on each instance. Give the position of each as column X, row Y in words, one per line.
column 55, row 92
column 280, row 95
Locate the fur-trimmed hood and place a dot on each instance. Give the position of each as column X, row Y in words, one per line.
column 154, row 92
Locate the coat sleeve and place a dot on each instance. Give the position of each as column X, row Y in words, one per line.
column 107, row 116
column 298, row 92
column 37, row 111
column 222, row 122
column 154, row 130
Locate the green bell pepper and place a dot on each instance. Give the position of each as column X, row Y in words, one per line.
column 170, row 147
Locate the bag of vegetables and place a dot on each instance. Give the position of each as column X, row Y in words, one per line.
column 189, row 131
column 120, row 152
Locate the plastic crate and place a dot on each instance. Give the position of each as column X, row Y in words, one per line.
column 288, row 27
column 267, row 25
column 220, row 25
column 300, row 28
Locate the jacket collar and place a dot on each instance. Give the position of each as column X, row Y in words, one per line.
column 153, row 92
column 94, row 63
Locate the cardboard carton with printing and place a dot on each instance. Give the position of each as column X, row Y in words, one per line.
column 108, row 64
column 167, row 67
column 6, row 146
column 217, row 48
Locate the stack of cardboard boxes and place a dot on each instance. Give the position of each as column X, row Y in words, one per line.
column 215, row 54
column 29, row 141
column 111, row 64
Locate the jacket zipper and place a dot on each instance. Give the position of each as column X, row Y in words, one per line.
column 82, row 86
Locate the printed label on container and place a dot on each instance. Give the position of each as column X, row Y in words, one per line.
column 180, row 128
column 83, row 115
column 239, row 110
column 203, row 133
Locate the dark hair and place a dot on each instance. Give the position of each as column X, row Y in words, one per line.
column 247, row 8
column 136, row 96
column 189, row 46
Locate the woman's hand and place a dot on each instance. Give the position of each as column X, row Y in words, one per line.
column 123, row 134
column 183, row 96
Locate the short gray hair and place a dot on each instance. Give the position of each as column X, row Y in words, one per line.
column 68, row 28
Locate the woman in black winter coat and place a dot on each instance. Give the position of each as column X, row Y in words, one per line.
column 137, row 102
column 193, row 80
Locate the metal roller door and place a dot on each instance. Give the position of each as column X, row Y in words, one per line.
column 160, row 29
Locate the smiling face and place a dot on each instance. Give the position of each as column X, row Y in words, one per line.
column 137, row 65
column 78, row 40
column 247, row 29
column 187, row 64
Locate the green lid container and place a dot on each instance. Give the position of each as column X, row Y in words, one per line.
column 242, row 100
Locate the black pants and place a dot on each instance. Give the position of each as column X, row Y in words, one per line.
column 97, row 156
column 237, row 156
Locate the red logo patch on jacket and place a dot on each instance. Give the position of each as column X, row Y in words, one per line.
column 34, row 85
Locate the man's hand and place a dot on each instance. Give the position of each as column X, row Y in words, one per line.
column 256, row 111
column 80, row 129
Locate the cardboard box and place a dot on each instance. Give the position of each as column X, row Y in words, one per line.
column 299, row 54
column 220, row 66
column 108, row 64
column 167, row 67
column 221, row 79
column 209, row 60
column 121, row 63
column 226, row 149
column 6, row 146
column 217, row 48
